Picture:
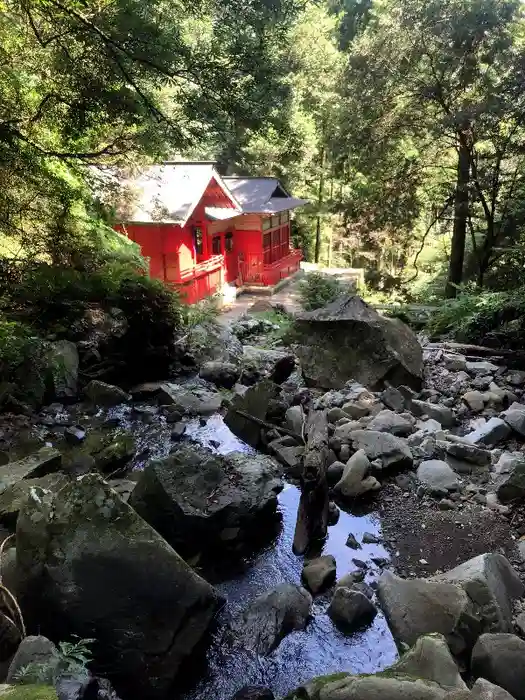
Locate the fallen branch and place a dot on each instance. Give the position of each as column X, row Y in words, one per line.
column 10, row 600
column 477, row 350
column 268, row 426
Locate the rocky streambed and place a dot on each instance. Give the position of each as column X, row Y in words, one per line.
column 160, row 522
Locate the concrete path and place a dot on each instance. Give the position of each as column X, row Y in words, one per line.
column 287, row 296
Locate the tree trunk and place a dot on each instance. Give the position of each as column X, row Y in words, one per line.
column 459, row 233
column 319, row 205
column 312, row 514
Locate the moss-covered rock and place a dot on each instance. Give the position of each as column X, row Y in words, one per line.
column 89, row 566
column 28, row 692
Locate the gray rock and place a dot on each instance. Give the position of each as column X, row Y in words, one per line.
column 104, row 394
column 436, row 476
column 254, row 402
column 474, row 400
column 356, row 409
column 492, row 586
column 391, row 451
column 507, row 461
column 500, row 659
column 393, row 398
column 378, row 687
column 469, row 453
column 295, row 419
column 265, row 360
column 333, row 513
column 354, row 481
column 493, row 431
column 430, row 659
column 272, row 616
column 192, row 496
column 350, row 608
column 481, row 367
column 389, row 422
column 63, row 362
column 12, row 497
column 417, row 607
column 191, row 402
column 87, row 562
column 370, row 538
column 442, row 414
column 344, row 430
column 289, row 455
column 334, row 473
column 319, row 573
column 352, row 542
column 485, row 690
column 516, row 378
column 455, row 363
column 211, row 340
column 516, row 420
column 253, row 692
column 511, row 487
column 34, row 650
column 366, row 346
column 41, row 463
column 223, row 374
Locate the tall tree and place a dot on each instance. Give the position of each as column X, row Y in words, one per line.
column 441, row 78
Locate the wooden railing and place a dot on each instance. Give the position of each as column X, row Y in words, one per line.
column 280, row 269
column 201, row 281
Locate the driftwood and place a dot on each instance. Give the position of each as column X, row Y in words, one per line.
column 312, row 514
column 268, row 426
column 512, row 358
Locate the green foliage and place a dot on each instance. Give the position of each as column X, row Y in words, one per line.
column 205, row 311
column 491, row 318
column 70, row 658
column 30, row 692
column 317, row 290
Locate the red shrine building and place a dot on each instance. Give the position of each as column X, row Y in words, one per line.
column 202, row 231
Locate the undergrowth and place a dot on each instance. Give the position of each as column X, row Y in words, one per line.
column 69, row 659
column 495, row 319
column 317, row 290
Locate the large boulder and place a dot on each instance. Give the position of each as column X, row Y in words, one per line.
column 34, row 650
column 62, row 357
column 485, row 690
column 103, row 394
column 208, row 341
column 349, row 340
column 88, row 565
column 200, row 501
column 492, row 585
column 500, row 659
column 222, row 374
column 417, row 607
column 271, row 616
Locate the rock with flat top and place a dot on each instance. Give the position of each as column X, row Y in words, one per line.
column 469, row 453
column 516, row 420
column 442, row 414
column 492, row 585
column 389, row 450
column 389, row 422
column 104, row 394
column 510, row 486
column 348, row 339
column 436, row 476
column 417, row 607
column 475, row 400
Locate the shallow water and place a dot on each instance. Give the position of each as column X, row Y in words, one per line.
column 321, row 648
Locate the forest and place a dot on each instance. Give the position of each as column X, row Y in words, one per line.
column 401, row 122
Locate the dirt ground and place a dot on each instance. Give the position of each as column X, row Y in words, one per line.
column 424, row 540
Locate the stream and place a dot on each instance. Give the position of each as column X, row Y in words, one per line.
column 320, row 649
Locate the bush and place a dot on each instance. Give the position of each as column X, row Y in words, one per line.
column 495, row 319
column 317, row 290
column 21, row 362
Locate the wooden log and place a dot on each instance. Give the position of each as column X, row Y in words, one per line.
column 268, row 426
column 312, row 515
column 477, row 350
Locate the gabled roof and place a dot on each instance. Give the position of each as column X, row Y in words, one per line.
column 261, row 195
column 168, row 193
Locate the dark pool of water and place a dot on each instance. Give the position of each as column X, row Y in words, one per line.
column 321, row 648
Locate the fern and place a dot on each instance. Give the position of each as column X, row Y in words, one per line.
column 69, row 659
